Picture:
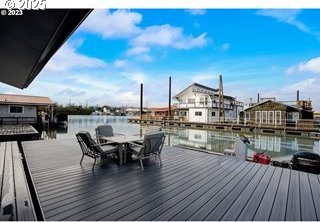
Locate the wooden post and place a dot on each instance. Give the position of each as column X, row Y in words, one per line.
column 221, row 100
column 169, row 110
column 141, row 100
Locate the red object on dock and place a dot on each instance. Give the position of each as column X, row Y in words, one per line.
column 261, row 158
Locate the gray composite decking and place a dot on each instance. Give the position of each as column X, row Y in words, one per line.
column 190, row 185
column 17, row 132
column 15, row 198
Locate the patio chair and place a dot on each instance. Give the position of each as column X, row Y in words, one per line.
column 90, row 148
column 105, row 130
column 151, row 147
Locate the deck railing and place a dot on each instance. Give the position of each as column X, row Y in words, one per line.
column 18, row 120
column 285, row 124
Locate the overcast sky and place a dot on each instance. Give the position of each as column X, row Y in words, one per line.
column 271, row 52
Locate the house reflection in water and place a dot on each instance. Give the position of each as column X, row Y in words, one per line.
column 205, row 140
column 278, row 148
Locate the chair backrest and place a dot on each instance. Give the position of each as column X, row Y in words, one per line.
column 87, row 144
column 152, row 143
column 104, row 130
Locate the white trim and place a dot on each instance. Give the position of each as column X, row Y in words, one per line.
column 264, row 117
column 258, row 120
column 277, row 121
column 9, row 106
column 271, row 122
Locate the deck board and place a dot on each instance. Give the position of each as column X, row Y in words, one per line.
column 293, row 205
column 190, row 185
column 307, row 208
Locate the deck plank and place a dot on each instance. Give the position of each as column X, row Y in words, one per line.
column 265, row 207
column 8, row 205
column 278, row 211
column 23, row 199
column 161, row 205
column 315, row 188
column 293, row 204
column 307, row 207
column 194, row 208
column 232, row 212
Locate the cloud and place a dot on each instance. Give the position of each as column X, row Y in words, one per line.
column 196, row 11
column 311, row 66
column 225, row 46
column 168, row 36
column 67, row 58
column 116, row 24
column 137, row 50
column 71, row 92
column 120, row 63
column 288, row 16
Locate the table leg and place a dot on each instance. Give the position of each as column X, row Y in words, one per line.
column 120, row 154
column 125, row 153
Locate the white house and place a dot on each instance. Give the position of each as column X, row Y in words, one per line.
column 199, row 103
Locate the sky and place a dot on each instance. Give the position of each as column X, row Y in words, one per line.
column 271, row 52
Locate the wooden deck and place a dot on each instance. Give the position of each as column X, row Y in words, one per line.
column 15, row 198
column 190, row 185
column 17, row 132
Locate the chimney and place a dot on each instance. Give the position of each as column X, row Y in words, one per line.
column 298, row 95
column 258, row 97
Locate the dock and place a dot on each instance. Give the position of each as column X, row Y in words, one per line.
column 234, row 127
column 190, row 185
column 17, row 132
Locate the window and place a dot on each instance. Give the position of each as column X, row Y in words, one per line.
column 197, row 136
column 264, row 117
column 258, row 116
column 198, row 113
column 247, row 117
column 16, row 109
column 292, row 116
column 213, row 114
column 271, row 117
column 191, row 101
column 278, row 117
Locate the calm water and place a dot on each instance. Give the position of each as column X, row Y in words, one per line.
column 279, row 148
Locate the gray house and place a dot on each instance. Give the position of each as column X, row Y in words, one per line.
column 24, row 109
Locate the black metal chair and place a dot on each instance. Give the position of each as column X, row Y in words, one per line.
column 105, row 131
column 90, row 148
column 151, row 147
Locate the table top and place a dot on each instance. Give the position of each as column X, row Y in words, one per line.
column 123, row 139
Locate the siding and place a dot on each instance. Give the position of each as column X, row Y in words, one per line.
column 29, row 111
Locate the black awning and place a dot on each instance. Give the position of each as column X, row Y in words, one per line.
column 28, row 41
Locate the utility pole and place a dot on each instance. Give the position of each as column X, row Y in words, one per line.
column 169, row 110
column 221, row 100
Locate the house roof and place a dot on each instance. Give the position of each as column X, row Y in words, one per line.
column 28, row 41
column 258, row 104
column 195, row 85
column 24, row 100
column 212, row 91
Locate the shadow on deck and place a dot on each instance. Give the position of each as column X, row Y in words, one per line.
column 190, row 185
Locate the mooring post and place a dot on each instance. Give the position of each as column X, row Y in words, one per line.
column 169, row 110
column 141, row 101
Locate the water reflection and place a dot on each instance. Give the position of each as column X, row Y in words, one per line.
column 279, row 148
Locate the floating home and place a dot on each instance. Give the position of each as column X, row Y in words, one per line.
column 199, row 103
column 24, row 109
column 272, row 113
